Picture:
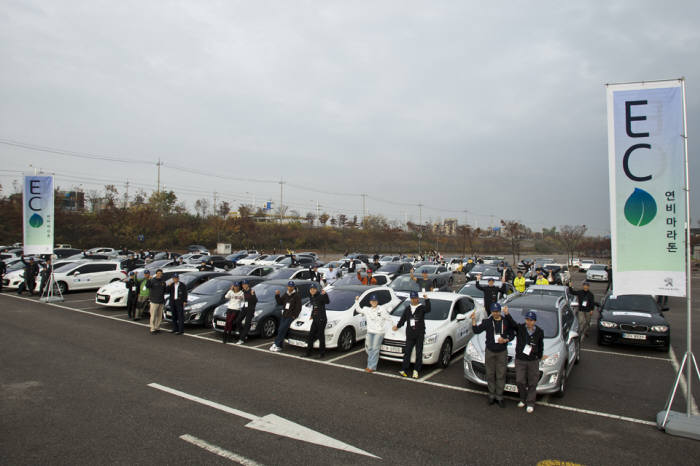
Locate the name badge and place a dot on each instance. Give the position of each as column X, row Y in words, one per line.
column 245, row 303
column 412, row 322
column 422, row 290
column 527, row 350
column 496, row 336
column 584, row 304
column 286, row 306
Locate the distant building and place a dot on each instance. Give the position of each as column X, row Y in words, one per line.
column 448, row 227
column 72, row 200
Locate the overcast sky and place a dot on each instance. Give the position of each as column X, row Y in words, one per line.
column 496, row 109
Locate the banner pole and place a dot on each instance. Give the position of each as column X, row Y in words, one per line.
column 688, row 247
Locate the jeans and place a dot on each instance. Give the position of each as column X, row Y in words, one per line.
column 417, row 343
column 282, row 331
column 373, row 342
column 247, row 316
column 496, row 367
column 317, row 332
column 527, row 374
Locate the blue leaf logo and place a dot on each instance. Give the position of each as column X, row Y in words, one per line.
column 36, row 221
column 640, row 208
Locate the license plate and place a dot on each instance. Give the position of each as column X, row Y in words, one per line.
column 221, row 322
column 510, row 388
column 296, row 342
column 634, row 336
column 391, row 349
column 102, row 298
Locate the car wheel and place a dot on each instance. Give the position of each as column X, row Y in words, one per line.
column 114, row 280
column 578, row 352
column 600, row 340
column 446, row 353
column 562, row 383
column 268, row 328
column 62, row 287
column 346, row 340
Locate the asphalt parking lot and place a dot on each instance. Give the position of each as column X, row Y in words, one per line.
column 82, row 384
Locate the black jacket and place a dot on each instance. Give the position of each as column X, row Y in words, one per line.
column 418, row 330
column 291, row 304
column 318, row 306
column 490, row 295
column 425, row 284
column 3, row 268
column 536, row 341
column 584, row 297
column 315, row 276
column 181, row 292
column 133, row 286
column 30, row 269
column 250, row 300
column 502, row 327
column 158, row 289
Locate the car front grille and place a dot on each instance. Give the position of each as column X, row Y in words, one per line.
column 634, row 328
column 480, row 371
column 399, row 343
column 298, row 335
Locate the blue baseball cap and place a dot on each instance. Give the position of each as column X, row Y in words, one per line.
column 373, row 297
column 414, row 294
column 495, row 307
column 131, row 274
column 146, row 272
column 238, row 283
column 175, row 275
column 291, row 283
column 531, row 315
column 244, row 282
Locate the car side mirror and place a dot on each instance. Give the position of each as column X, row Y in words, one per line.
column 572, row 335
column 461, row 317
column 76, row 273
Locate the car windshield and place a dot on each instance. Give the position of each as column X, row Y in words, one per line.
column 439, row 309
column 484, row 269
column 548, row 321
column 213, row 287
column 390, row 267
column 348, row 280
column 587, row 261
column 341, row 300
column 471, row 290
column 426, row 268
column 243, row 269
column 281, row 274
column 635, row 302
column 598, row 267
column 64, row 268
column 187, row 279
column 266, row 291
column 545, row 292
column 157, row 264
column 404, row 283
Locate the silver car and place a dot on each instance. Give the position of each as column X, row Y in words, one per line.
column 561, row 344
column 597, row 273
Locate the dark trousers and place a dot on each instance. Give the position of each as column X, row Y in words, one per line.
column 317, row 333
column 527, row 374
column 42, row 285
column 245, row 318
column 282, row 332
column 131, row 305
column 417, row 343
column 178, row 315
column 231, row 315
column 496, row 368
column 29, row 284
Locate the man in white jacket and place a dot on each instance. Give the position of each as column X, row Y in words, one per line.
column 235, row 303
column 378, row 318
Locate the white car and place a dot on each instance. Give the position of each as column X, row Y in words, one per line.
column 575, row 262
column 454, row 264
column 585, row 265
column 597, row 273
column 448, row 327
column 12, row 280
column 249, row 259
column 87, row 275
column 114, row 294
column 269, row 259
column 345, row 326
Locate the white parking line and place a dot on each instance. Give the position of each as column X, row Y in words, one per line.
column 615, row 353
column 229, row 455
column 430, row 374
column 357, row 369
column 69, row 301
column 684, row 386
column 346, row 355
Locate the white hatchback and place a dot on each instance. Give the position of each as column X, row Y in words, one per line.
column 87, row 275
column 448, row 327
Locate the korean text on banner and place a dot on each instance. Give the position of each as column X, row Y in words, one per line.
column 646, row 156
column 38, row 214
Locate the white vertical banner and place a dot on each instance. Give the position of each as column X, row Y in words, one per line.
column 38, row 221
column 646, row 156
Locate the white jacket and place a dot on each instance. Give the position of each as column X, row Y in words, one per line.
column 378, row 318
column 235, row 299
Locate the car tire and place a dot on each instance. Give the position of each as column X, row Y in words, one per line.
column 268, row 328
column 62, row 287
column 346, row 340
column 562, row 383
column 600, row 340
column 445, row 354
column 114, row 280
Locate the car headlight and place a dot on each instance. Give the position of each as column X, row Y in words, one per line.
column 431, row 339
column 474, row 353
column 257, row 313
column 332, row 323
column 606, row 324
column 659, row 328
column 552, row 360
column 196, row 306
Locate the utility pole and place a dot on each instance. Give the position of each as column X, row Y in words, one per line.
column 318, row 212
column 420, row 223
column 215, row 203
column 466, row 219
column 126, row 196
column 158, row 165
column 281, row 198
column 364, row 212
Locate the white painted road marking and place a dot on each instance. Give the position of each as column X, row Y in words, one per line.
column 346, row 355
column 271, row 423
column 229, row 455
column 615, row 353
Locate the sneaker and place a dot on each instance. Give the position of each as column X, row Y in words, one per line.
column 530, row 409
column 368, row 370
column 521, row 404
column 403, row 374
column 274, row 348
column 240, row 342
column 415, row 374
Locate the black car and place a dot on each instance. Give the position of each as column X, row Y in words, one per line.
column 394, row 269
column 202, row 301
column 485, row 270
column 190, row 280
column 220, row 262
column 633, row 320
column 62, row 253
column 267, row 312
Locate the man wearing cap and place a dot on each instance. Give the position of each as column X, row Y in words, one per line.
column 30, row 272
column 368, row 279
column 132, row 287
column 247, row 312
column 318, row 317
column 424, row 283
column 291, row 307
column 529, row 351
column 157, row 287
column 331, row 276
column 144, row 293
column 586, row 305
column 491, row 291
column 178, row 300
column 498, row 334
column 236, row 298
column 205, row 267
column 314, row 274
column 519, row 282
column 377, row 319
column 540, row 278
column 414, row 316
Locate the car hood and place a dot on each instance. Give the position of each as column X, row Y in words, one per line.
column 118, row 287
column 431, row 326
column 550, row 344
column 14, row 274
column 303, row 322
column 633, row 317
column 266, row 307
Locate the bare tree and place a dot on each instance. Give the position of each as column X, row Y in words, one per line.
column 201, row 206
column 570, row 236
column 310, row 218
column 323, row 218
column 515, row 232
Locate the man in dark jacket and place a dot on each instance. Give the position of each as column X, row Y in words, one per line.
column 205, row 267
column 3, row 271
column 315, row 274
column 414, row 316
column 425, row 283
column 491, row 292
column 318, row 321
column 291, row 307
column 529, row 350
column 132, row 287
column 246, row 313
column 586, row 305
column 30, row 272
column 45, row 275
column 157, row 288
column 498, row 334
column 178, row 300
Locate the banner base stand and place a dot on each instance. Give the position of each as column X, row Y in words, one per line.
column 679, row 424
column 52, row 299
